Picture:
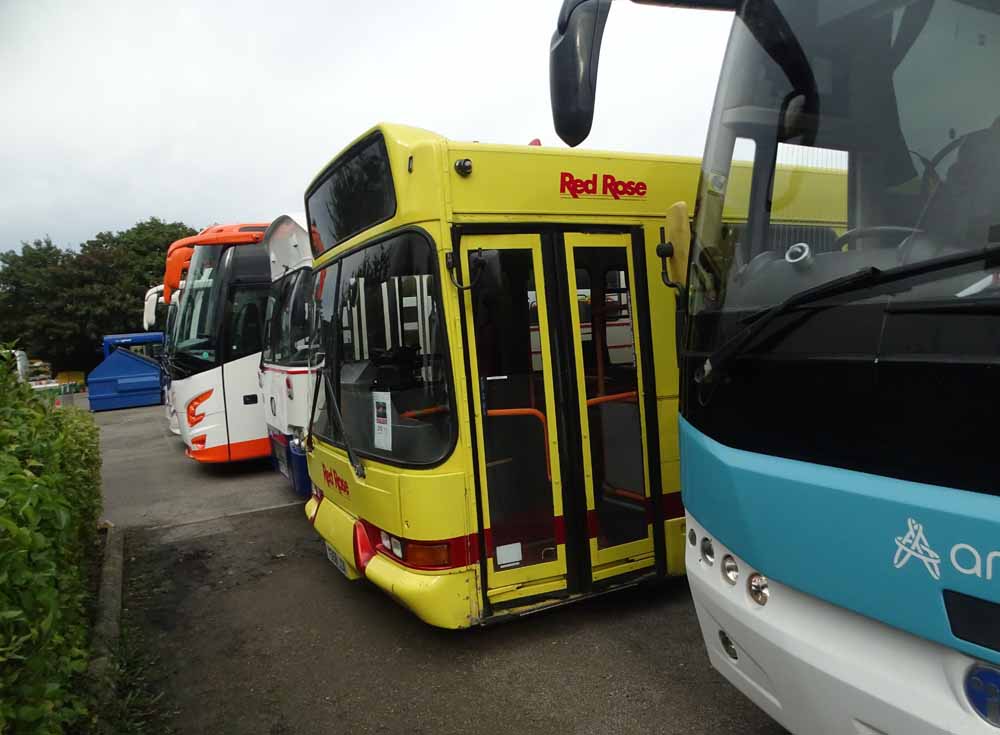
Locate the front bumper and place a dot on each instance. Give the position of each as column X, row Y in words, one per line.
column 817, row 668
column 446, row 599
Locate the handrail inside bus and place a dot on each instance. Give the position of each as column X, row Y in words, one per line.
column 497, row 412
column 632, row 395
column 415, row 412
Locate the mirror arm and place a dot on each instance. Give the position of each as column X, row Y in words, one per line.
column 664, row 251
column 449, row 263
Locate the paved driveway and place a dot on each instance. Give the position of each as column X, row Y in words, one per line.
column 254, row 631
column 149, row 482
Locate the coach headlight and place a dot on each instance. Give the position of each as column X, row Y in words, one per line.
column 757, row 588
column 707, row 551
column 730, row 569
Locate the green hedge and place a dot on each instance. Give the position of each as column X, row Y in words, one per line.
column 50, row 495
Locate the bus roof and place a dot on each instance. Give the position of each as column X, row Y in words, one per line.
column 238, row 234
column 179, row 251
column 436, row 178
column 468, row 182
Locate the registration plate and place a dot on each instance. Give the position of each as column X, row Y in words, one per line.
column 336, row 559
column 280, row 457
column 282, row 464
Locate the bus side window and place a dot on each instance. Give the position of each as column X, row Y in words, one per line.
column 387, row 362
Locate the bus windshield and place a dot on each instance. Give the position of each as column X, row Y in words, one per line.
column 197, row 323
column 840, row 141
column 381, row 330
column 288, row 321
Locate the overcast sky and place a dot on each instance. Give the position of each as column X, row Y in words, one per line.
column 113, row 112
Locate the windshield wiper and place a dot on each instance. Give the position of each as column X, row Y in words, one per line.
column 352, row 456
column 866, row 278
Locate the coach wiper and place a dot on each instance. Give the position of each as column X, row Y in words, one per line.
column 867, row 278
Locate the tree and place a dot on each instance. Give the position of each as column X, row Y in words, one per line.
column 59, row 303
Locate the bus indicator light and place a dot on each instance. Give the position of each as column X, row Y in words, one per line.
column 427, row 555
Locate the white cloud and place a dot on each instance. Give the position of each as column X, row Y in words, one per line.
column 114, row 112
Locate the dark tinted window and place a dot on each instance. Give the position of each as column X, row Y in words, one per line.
column 355, row 194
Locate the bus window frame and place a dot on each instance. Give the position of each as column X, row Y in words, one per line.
column 449, row 450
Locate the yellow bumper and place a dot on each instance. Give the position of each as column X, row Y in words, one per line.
column 444, row 599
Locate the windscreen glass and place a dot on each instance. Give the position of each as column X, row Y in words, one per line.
column 848, row 135
column 384, row 354
column 196, row 339
column 287, row 333
column 355, row 194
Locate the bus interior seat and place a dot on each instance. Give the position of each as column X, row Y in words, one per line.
column 969, row 201
column 411, row 437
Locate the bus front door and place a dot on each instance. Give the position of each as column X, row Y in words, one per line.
column 514, row 408
column 558, row 413
column 609, row 391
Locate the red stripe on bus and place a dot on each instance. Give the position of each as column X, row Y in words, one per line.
column 463, row 551
column 232, row 452
column 286, row 371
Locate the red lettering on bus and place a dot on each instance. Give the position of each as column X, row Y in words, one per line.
column 611, row 186
column 332, row 479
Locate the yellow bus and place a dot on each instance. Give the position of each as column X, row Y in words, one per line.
column 494, row 424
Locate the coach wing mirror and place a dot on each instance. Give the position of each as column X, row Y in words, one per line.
column 573, row 56
column 675, row 246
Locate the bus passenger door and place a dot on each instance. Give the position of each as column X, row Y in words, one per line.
column 507, row 336
column 607, row 355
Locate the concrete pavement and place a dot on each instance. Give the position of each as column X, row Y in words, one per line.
column 254, row 631
column 148, row 481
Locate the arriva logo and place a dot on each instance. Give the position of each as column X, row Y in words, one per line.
column 965, row 558
column 332, row 479
column 914, row 544
column 611, row 186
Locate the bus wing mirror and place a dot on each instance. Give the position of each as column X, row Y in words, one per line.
column 573, row 56
column 675, row 246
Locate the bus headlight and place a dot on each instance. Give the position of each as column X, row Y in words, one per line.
column 730, row 569
column 757, row 587
column 707, row 551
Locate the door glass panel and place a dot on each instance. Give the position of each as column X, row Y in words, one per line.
column 512, row 392
column 612, row 383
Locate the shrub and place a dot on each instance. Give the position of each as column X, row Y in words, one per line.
column 49, row 502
